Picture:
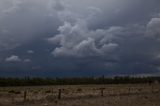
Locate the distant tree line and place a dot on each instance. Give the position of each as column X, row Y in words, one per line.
column 27, row 81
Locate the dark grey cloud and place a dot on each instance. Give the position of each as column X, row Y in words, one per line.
column 24, row 20
column 80, row 37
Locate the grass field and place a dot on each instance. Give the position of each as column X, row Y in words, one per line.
column 82, row 95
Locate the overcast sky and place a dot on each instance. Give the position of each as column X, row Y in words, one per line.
column 79, row 37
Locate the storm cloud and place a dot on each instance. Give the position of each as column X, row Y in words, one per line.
column 87, row 37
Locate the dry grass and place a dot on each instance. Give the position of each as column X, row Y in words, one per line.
column 82, row 95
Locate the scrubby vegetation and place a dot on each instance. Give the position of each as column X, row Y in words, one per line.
column 27, row 81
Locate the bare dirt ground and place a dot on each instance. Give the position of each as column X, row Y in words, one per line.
column 82, row 95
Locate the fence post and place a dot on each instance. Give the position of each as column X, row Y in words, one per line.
column 52, row 91
column 152, row 89
column 25, row 95
column 59, row 93
column 129, row 90
column 102, row 91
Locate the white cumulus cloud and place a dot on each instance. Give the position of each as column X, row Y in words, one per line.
column 13, row 58
column 27, row 60
column 153, row 28
column 76, row 39
column 30, row 51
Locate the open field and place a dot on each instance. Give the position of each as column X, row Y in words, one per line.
column 82, row 95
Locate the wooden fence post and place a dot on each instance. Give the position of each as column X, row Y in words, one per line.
column 102, row 91
column 25, row 95
column 59, row 93
column 52, row 91
column 129, row 90
column 152, row 89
